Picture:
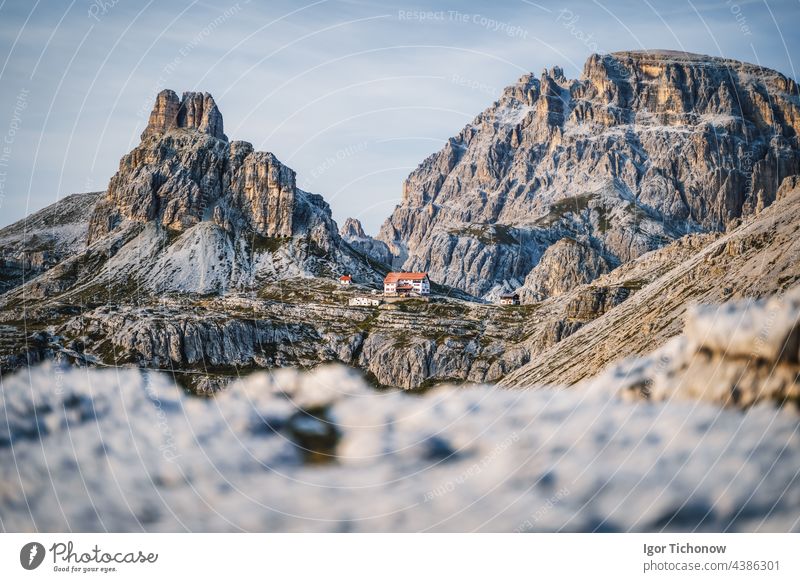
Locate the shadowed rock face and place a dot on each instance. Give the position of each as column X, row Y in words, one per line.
column 643, row 148
column 354, row 234
column 563, row 266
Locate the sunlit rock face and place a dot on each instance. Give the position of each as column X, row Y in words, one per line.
column 263, row 188
column 194, row 111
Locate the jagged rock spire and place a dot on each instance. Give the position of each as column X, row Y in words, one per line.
column 352, row 229
column 196, row 111
column 185, row 172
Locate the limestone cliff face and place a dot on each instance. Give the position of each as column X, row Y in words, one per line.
column 263, row 188
column 170, row 178
column 643, row 148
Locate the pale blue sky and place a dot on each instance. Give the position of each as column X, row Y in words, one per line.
column 351, row 94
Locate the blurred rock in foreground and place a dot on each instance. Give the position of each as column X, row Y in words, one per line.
column 736, row 354
column 126, row 449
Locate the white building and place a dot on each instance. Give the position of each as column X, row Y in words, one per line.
column 364, row 301
column 406, row 284
column 509, row 299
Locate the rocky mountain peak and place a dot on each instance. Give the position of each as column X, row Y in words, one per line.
column 236, row 210
column 352, row 229
column 643, row 148
column 181, row 178
column 563, row 266
column 194, row 111
column 353, row 233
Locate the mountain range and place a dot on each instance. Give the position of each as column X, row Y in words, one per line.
column 610, row 203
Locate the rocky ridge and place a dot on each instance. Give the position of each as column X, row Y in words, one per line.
column 42, row 240
column 754, row 260
column 737, row 354
column 209, row 341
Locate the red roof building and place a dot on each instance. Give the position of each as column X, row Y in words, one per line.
column 345, row 280
column 400, row 283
